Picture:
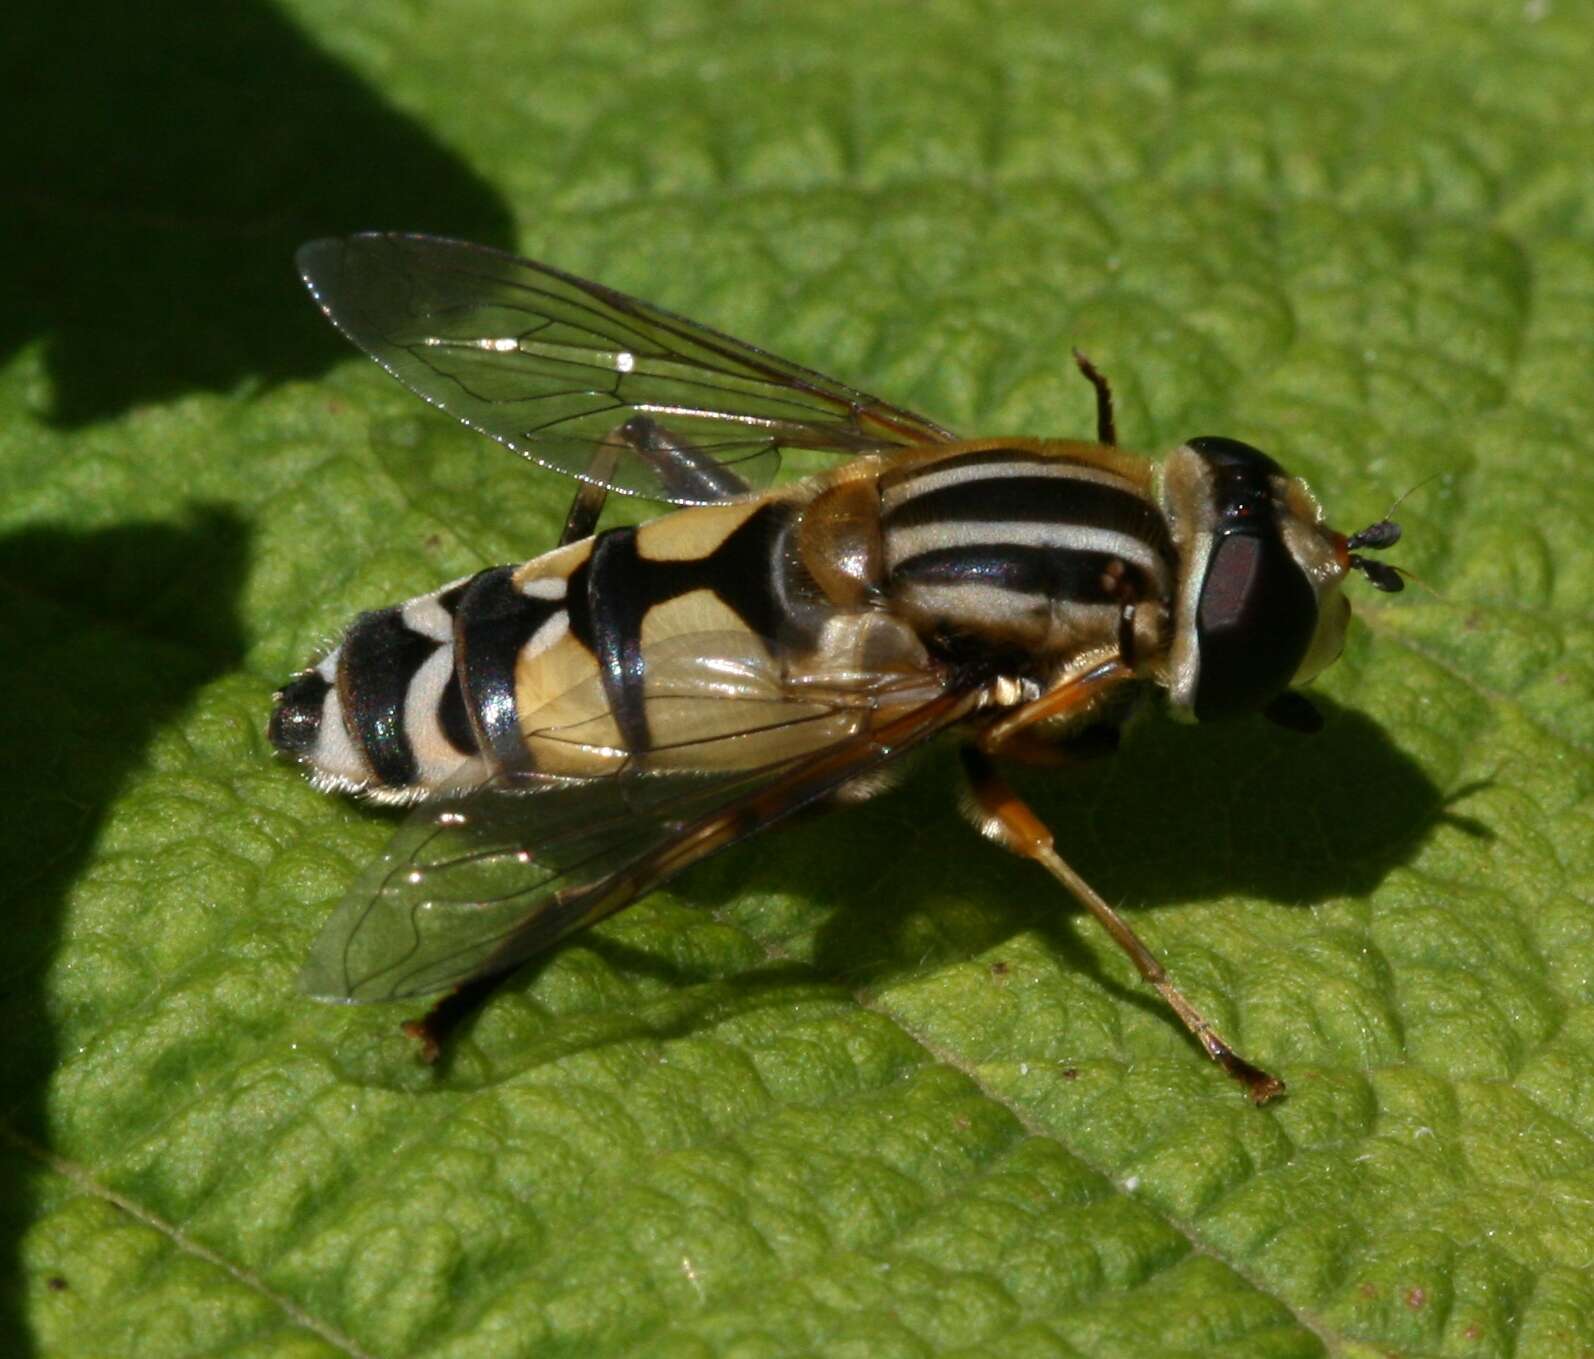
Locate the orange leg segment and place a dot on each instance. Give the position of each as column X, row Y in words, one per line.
column 1024, row 833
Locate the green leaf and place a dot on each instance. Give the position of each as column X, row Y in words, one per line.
column 869, row 1086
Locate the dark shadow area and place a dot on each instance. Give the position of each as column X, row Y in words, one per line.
column 387, row 1058
column 1179, row 814
column 108, row 636
column 161, row 164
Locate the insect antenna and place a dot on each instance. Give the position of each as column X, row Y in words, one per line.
column 1385, row 533
column 1382, row 576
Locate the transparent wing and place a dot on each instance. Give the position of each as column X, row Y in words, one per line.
column 550, row 364
column 473, row 886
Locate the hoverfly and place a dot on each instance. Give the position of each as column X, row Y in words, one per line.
column 578, row 729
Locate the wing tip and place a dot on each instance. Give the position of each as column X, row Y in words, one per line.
column 320, row 982
column 358, row 283
column 320, row 262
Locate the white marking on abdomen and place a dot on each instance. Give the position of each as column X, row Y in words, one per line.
column 334, row 756
column 435, row 755
column 552, row 631
column 428, row 618
column 543, row 587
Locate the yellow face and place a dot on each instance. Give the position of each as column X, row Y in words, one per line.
column 1333, row 617
column 1321, row 554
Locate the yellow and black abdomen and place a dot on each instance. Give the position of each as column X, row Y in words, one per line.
column 610, row 648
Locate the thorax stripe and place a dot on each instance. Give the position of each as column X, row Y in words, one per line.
column 1029, row 506
column 994, row 465
column 1060, row 539
column 1036, row 573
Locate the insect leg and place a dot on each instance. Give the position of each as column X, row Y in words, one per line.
column 1066, row 700
column 433, row 1029
column 1010, row 821
column 1091, row 743
column 1106, row 430
column 686, row 473
column 582, row 518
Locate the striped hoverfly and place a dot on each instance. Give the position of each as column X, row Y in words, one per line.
column 578, row 729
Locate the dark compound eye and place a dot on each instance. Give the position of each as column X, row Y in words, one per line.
column 1254, row 622
column 1257, row 612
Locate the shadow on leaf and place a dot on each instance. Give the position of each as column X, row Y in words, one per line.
column 1181, row 814
column 109, row 635
column 169, row 164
